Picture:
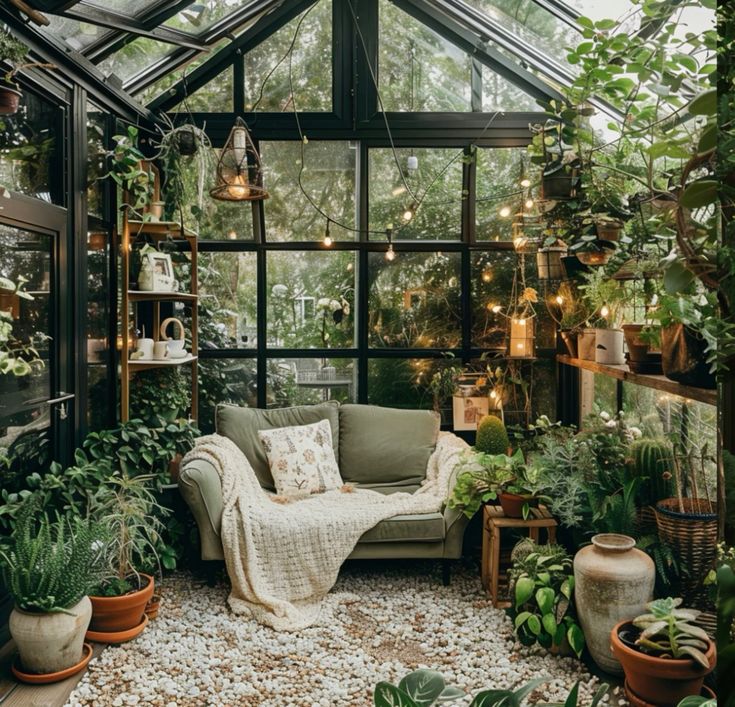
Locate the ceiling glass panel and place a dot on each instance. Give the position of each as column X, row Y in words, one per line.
column 500, row 94
column 78, row 35
column 124, row 7
column 201, row 15
column 532, row 23
column 134, row 57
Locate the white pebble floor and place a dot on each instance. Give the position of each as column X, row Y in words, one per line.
column 379, row 622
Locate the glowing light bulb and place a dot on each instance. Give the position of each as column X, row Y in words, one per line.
column 605, row 311
column 327, row 237
column 559, row 300
column 487, row 275
column 409, row 213
column 504, row 212
column 390, row 254
column 522, row 322
column 525, row 183
column 232, row 234
column 519, row 242
column 496, row 309
column 529, row 203
column 239, row 189
column 493, row 394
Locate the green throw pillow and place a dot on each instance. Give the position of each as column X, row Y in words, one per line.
column 385, row 446
column 241, row 425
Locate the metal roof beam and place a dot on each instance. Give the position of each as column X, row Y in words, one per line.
column 476, row 47
column 259, row 32
column 105, row 18
column 561, row 11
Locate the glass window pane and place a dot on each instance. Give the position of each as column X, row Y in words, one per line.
column 124, row 7
column 500, row 94
column 529, row 391
column 78, row 35
column 329, row 179
column 213, row 97
column 96, row 160
column 311, row 64
column 227, row 300
column 499, row 173
column 30, row 162
column 311, row 299
column 418, row 69
column 225, row 380
column 430, row 177
column 134, row 57
column 414, row 301
column 201, row 15
column 491, row 287
column 307, row 381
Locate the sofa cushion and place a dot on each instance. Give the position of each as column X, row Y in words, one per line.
column 380, row 445
column 301, row 459
column 241, row 425
column 420, row 527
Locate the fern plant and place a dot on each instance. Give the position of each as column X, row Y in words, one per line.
column 49, row 566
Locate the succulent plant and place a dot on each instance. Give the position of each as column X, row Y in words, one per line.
column 492, row 437
column 667, row 631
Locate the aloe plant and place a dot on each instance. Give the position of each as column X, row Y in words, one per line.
column 667, row 631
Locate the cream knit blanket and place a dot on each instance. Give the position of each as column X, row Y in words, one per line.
column 284, row 558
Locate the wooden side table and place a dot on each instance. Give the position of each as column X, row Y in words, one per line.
column 493, row 520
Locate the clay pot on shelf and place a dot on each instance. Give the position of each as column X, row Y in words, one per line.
column 659, row 681
column 640, row 357
column 599, row 255
column 613, row 582
column 118, row 615
column 50, row 643
column 609, row 347
column 586, row 342
column 684, row 359
column 512, row 503
column 609, row 230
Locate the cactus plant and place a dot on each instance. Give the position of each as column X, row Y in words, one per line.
column 652, row 461
column 492, row 437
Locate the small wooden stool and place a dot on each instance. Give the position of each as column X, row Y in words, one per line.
column 493, row 519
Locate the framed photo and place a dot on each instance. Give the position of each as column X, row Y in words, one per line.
column 160, row 264
column 468, row 410
column 157, row 273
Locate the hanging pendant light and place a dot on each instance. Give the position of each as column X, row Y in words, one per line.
column 239, row 171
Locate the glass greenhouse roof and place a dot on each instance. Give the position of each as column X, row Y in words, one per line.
column 146, row 43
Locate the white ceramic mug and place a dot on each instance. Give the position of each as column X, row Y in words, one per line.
column 176, row 348
column 160, row 350
column 145, row 348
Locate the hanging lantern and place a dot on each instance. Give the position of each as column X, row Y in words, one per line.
column 239, row 171
column 521, row 340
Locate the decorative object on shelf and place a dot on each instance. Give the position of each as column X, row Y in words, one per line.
column 665, row 656
column 144, row 350
column 155, row 211
column 48, row 568
column 239, row 170
column 608, row 228
column 468, row 410
column 606, row 299
column 613, row 582
column 156, row 273
column 176, row 347
column 160, row 351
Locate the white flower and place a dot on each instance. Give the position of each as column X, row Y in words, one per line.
column 635, row 432
column 611, row 424
column 605, row 416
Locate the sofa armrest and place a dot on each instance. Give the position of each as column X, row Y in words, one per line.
column 455, row 523
column 200, row 486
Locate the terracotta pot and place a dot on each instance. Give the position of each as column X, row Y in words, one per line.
column 512, row 504
column 9, row 100
column 153, row 606
column 636, row 701
column 637, row 348
column 609, row 347
column 47, row 678
column 50, row 643
column 586, row 342
column 613, row 582
column 112, row 614
column 609, row 230
column 660, row 681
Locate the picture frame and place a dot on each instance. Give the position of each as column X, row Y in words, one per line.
column 160, row 263
column 157, row 273
column 467, row 410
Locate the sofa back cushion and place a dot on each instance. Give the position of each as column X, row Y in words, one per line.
column 241, row 425
column 385, row 446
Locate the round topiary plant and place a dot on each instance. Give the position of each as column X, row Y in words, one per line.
column 492, row 437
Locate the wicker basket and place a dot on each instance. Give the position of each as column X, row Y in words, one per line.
column 693, row 537
column 645, row 522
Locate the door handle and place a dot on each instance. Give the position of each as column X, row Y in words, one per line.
column 62, row 397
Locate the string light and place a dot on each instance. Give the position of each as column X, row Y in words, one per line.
column 504, row 212
column 409, row 213
column 232, row 234
column 529, row 203
column 605, row 311
column 525, row 183
column 327, row 237
column 390, row 254
column 559, row 300
column 487, row 275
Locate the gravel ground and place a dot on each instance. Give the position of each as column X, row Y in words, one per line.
column 378, row 623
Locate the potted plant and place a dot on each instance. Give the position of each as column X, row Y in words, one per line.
column 542, row 589
column 570, row 312
column 128, row 508
column 131, row 171
column 664, row 655
column 553, row 147
column 643, row 342
column 17, row 357
column 606, row 297
column 13, row 52
column 48, row 568
column 516, row 494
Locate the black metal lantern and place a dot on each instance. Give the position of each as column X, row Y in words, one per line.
column 239, row 171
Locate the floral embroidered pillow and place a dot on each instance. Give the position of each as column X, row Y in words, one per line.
column 301, row 459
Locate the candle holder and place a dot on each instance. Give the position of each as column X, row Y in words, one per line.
column 521, row 340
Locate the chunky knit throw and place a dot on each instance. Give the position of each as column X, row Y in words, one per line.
column 284, row 558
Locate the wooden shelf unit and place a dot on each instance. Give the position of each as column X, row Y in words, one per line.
column 660, row 383
column 131, row 231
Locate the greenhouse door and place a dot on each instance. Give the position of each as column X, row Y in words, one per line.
column 36, row 407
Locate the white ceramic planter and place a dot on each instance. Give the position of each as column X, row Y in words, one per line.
column 609, row 346
column 586, row 344
column 49, row 643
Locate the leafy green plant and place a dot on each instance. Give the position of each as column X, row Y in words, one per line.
column 49, row 566
column 492, row 437
column 17, row 358
column 13, row 51
column 724, row 583
column 129, row 169
column 667, row 631
column 542, row 581
column 159, row 393
column 606, row 298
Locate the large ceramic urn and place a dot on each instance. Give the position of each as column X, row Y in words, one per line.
column 613, row 581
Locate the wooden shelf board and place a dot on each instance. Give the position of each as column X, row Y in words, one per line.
column 661, row 383
column 140, row 296
column 160, row 229
column 138, row 365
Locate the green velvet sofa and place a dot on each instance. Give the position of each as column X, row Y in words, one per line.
column 382, row 449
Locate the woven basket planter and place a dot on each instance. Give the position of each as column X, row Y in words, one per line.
column 693, row 537
column 645, row 522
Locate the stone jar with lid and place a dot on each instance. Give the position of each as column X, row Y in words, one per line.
column 613, row 582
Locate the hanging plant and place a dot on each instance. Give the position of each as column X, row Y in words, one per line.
column 130, row 170
column 14, row 52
